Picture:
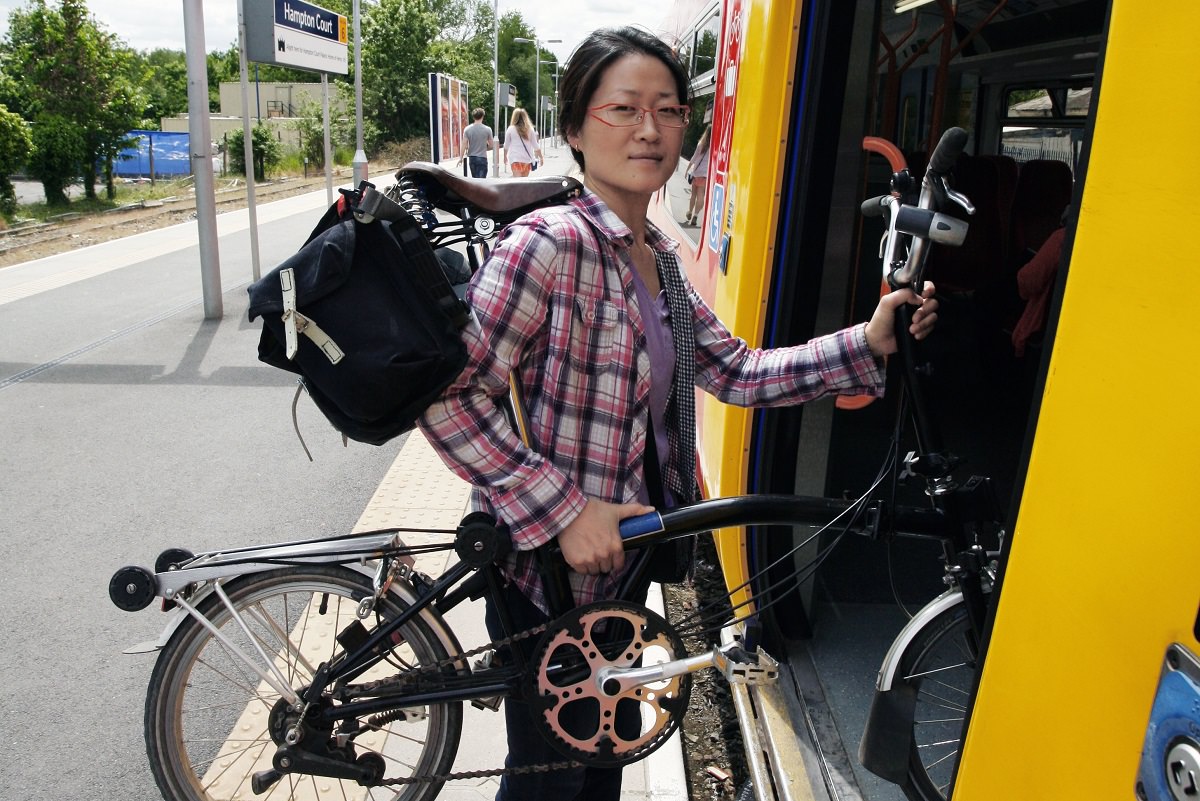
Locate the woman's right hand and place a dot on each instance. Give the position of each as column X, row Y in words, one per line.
column 591, row 544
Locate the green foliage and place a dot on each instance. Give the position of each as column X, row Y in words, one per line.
column 59, row 149
column 396, row 36
column 311, row 128
column 60, row 65
column 267, row 151
column 517, row 58
column 164, row 77
column 83, row 89
column 15, row 147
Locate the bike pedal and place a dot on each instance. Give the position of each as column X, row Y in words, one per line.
column 743, row 667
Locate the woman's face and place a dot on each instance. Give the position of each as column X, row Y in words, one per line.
column 632, row 162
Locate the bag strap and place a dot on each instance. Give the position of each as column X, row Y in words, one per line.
column 374, row 205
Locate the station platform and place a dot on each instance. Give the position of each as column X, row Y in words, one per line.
column 148, row 426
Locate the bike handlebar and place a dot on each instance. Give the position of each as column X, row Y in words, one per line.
column 947, row 151
column 923, row 222
column 740, row 510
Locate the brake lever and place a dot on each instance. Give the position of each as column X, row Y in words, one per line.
column 947, row 192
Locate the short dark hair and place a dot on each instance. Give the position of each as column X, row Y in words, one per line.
column 590, row 61
column 477, row 114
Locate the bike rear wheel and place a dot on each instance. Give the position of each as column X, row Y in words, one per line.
column 940, row 664
column 207, row 711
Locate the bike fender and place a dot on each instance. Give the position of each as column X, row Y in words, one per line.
column 177, row 616
column 887, row 737
column 891, row 663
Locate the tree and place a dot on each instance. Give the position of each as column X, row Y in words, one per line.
column 164, row 77
column 267, row 152
column 15, row 146
column 517, row 58
column 395, row 62
column 68, row 69
column 58, row 153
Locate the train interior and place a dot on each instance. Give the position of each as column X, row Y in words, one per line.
column 1021, row 77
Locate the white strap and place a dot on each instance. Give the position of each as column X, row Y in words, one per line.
column 295, row 323
column 288, row 283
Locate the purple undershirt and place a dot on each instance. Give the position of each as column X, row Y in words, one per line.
column 660, row 346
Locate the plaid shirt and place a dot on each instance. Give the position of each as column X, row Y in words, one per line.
column 556, row 305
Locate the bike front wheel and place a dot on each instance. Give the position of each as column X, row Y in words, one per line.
column 940, row 665
column 207, row 712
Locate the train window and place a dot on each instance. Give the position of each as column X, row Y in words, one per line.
column 704, row 59
column 1045, row 123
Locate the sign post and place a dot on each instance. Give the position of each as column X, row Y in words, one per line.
column 290, row 33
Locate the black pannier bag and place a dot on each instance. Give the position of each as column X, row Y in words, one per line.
column 364, row 314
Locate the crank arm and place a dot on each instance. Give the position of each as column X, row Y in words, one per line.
column 735, row 663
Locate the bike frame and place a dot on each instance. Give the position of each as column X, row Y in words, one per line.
column 952, row 511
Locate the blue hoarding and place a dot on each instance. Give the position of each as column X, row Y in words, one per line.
column 157, row 154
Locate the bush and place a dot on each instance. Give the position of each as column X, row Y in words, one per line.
column 15, row 147
column 57, row 159
column 268, row 152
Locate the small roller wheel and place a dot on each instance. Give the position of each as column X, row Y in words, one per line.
column 172, row 558
column 375, row 764
column 132, row 588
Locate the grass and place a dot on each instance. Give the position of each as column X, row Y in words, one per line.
column 136, row 192
column 132, row 193
column 126, row 194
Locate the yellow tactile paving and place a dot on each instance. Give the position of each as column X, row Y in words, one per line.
column 248, row 748
column 419, row 491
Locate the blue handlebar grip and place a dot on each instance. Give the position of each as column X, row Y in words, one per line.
column 648, row 523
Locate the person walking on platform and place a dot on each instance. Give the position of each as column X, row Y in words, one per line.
column 477, row 143
column 521, row 149
column 587, row 308
column 697, row 173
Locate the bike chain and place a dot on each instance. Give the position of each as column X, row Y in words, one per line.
column 437, row 667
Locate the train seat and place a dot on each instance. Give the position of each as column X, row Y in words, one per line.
column 981, row 256
column 1043, row 190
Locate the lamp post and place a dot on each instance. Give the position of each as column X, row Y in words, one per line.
column 496, row 88
column 555, row 63
column 360, row 153
column 537, row 74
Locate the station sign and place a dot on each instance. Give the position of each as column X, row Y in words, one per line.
column 293, row 33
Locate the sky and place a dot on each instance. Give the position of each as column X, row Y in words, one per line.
column 148, row 24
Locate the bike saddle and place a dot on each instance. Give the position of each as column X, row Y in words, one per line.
column 449, row 191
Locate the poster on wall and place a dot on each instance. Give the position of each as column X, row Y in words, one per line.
column 447, row 116
column 463, row 112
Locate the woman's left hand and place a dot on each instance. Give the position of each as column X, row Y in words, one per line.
column 881, row 330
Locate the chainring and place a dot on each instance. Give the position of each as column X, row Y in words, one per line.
column 575, row 714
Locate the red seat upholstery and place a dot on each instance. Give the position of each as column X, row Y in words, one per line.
column 1043, row 192
column 1006, row 174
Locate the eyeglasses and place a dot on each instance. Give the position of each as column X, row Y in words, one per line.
column 619, row 115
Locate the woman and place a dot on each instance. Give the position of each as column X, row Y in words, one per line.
column 587, row 306
column 697, row 171
column 521, row 148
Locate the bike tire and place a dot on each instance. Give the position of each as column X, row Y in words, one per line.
column 206, row 712
column 940, row 663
